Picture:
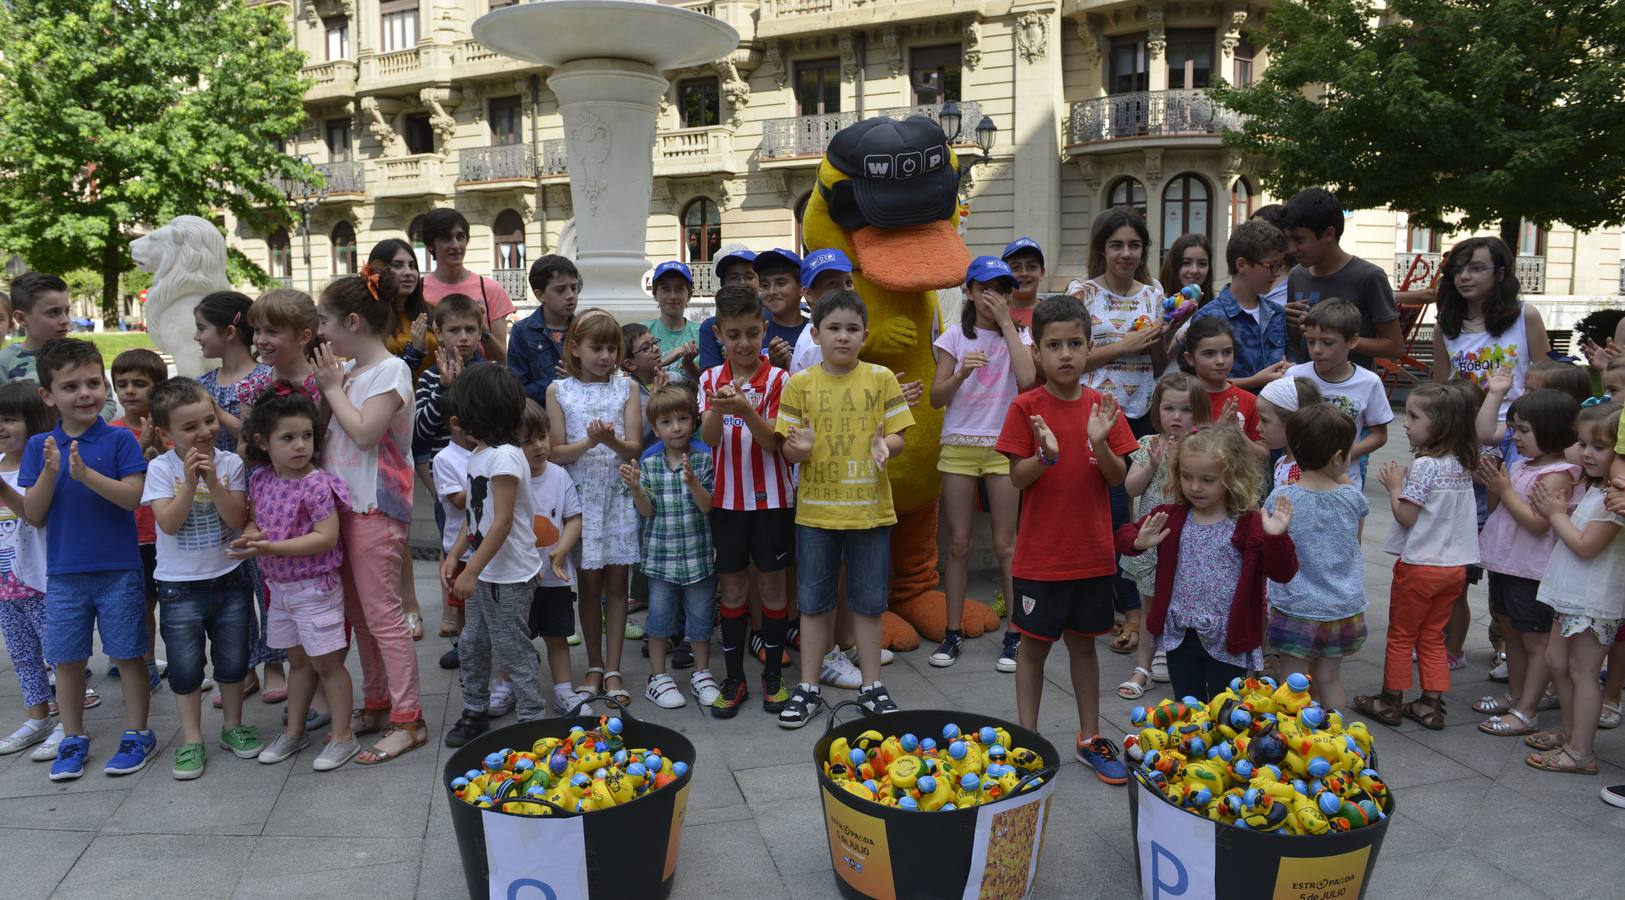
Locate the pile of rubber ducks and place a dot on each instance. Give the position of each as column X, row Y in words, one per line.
column 1263, row 756
column 966, row 768
column 578, row 773
column 1181, row 304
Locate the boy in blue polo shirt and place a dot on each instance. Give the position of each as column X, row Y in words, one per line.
column 1254, row 252
column 85, row 478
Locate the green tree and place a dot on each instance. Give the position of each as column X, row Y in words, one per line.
column 117, row 115
column 1468, row 113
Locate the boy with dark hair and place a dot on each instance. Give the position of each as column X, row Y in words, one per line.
column 778, row 280
column 731, row 269
column 137, row 372
column 458, row 322
column 1066, row 442
column 536, row 346
column 1331, row 330
column 88, row 477
column 673, row 286
column 1314, row 228
column 753, row 514
column 39, row 304
column 1026, row 261
column 841, row 421
column 1254, row 255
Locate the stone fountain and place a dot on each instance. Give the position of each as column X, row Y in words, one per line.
column 607, row 57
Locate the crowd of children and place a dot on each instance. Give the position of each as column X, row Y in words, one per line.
column 735, row 472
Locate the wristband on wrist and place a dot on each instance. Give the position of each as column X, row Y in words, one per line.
column 1046, row 460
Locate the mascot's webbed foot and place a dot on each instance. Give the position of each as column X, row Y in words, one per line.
column 928, row 613
column 897, row 635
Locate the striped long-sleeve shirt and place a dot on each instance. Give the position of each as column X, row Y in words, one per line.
column 430, row 430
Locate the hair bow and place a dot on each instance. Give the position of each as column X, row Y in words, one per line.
column 1596, row 401
column 370, row 276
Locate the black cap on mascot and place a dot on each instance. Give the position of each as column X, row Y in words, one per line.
column 901, row 174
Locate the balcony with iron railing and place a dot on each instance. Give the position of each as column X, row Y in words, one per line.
column 1183, row 113
column 1529, row 269
column 800, row 137
column 341, row 180
column 516, row 283
column 553, row 160
column 497, row 167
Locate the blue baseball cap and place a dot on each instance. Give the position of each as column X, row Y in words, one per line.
column 733, row 257
column 777, row 258
column 670, row 266
column 989, row 268
column 820, row 261
column 1020, row 244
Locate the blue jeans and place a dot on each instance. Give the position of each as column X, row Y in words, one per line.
column 696, row 602
column 218, row 609
column 819, row 555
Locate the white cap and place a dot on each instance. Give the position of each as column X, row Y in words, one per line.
column 1282, row 393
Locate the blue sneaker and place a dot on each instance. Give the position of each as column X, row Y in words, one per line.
column 1101, row 755
column 135, row 750
column 70, row 758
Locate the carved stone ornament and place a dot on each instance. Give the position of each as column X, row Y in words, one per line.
column 894, row 53
column 1032, row 34
column 378, row 126
column 1094, row 44
column 735, row 88
column 1153, row 167
column 660, row 194
column 1232, row 37
column 973, row 43
column 1091, row 176
column 849, row 57
column 774, row 60
column 780, row 183
column 317, row 10
column 443, row 123
column 586, row 143
column 1157, row 39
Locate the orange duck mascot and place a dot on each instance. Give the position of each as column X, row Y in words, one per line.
column 888, row 197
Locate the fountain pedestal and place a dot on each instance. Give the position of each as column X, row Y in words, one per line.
column 607, row 57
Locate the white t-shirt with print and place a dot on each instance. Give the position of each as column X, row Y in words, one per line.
column 197, row 551
column 450, row 470
column 517, row 561
column 1361, row 395
column 554, row 498
column 22, row 546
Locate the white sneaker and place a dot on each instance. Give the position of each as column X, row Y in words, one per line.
column 1499, row 671
column 837, row 670
column 26, row 736
column 886, row 656
column 704, row 687
column 663, row 692
column 47, row 751
column 566, row 700
column 503, row 699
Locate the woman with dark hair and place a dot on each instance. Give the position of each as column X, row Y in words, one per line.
column 413, row 341
column 1483, row 327
column 1189, row 261
column 445, row 235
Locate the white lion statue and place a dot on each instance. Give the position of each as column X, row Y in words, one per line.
column 187, row 259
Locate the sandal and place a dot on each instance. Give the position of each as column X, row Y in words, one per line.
column 1126, row 641
column 621, row 693
column 1384, row 707
column 587, row 677
column 365, row 721
column 1429, row 711
column 1511, row 724
column 372, row 756
column 414, row 623
column 1494, row 706
column 1134, row 690
column 251, row 686
column 1564, row 761
column 1546, row 740
column 1548, row 700
column 274, row 695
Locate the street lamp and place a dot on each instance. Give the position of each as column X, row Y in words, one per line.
column 305, row 201
column 952, row 121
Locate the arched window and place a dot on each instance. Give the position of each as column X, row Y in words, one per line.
column 281, row 255
column 344, row 249
column 1185, row 208
column 801, row 210
column 702, row 231
column 1242, row 201
column 508, row 236
column 1127, row 192
column 414, row 236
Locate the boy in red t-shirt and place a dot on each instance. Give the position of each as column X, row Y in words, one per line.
column 1067, row 442
column 1210, row 350
column 135, row 373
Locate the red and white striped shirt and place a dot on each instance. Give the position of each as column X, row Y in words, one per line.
column 747, row 476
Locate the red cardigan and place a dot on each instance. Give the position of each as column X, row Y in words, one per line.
column 1263, row 556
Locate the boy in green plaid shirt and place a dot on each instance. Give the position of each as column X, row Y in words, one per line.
column 672, row 491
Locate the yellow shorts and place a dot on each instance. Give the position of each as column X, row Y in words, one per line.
column 957, row 459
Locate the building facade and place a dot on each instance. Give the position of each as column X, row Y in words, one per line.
column 1097, row 103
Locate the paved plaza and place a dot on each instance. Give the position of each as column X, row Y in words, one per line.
column 1472, row 817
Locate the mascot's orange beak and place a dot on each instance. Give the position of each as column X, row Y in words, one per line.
column 914, row 259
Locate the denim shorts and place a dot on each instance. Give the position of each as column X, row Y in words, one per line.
column 218, row 609
column 699, row 608
column 115, row 603
column 819, row 555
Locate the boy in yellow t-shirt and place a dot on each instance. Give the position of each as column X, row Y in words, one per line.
column 841, row 420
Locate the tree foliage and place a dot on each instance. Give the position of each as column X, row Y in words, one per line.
column 117, row 115
column 1466, row 113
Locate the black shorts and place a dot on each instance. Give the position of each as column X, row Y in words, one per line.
column 552, row 611
column 149, row 565
column 1514, row 598
column 1044, row 609
column 763, row 537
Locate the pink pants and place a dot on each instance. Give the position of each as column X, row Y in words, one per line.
column 373, row 544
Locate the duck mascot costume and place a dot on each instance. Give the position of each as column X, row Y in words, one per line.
column 888, row 197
